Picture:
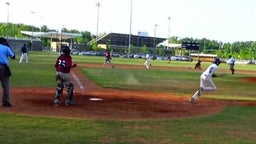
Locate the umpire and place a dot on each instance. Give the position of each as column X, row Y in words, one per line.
column 5, row 73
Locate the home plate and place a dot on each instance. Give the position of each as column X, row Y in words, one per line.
column 96, row 99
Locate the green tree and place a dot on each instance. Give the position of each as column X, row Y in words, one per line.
column 132, row 49
column 144, row 49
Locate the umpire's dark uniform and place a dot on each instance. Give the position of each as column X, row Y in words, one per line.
column 5, row 73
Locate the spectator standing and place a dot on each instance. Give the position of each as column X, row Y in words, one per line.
column 5, row 72
column 24, row 54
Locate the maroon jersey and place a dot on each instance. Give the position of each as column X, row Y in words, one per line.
column 107, row 54
column 63, row 63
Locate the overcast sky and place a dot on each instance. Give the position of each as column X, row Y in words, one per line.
column 222, row 20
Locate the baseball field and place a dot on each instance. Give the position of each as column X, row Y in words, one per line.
column 128, row 104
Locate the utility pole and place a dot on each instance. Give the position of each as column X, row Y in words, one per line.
column 129, row 49
column 7, row 22
column 97, row 32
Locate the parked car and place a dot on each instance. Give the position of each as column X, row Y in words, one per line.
column 100, row 53
column 153, row 57
column 176, row 58
column 138, row 55
column 126, row 56
column 251, row 62
column 75, row 52
column 90, row 53
column 116, row 55
column 186, row 58
column 161, row 58
column 82, row 53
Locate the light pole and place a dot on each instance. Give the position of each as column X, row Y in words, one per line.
column 7, row 22
column 61, row 38
column 169, row 21
column 155, row 39
column 32, row 27
column 98, row 5
column 129, row 49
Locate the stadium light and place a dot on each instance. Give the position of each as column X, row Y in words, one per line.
column 98, row 5
column 32, row 13
column 7, row 22
column 129, row 49
column 155, row 39
column 169, row 21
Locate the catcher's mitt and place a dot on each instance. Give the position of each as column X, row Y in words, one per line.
column 74, row 65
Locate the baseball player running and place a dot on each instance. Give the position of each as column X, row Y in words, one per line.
column 206, row 83
column 63, row 65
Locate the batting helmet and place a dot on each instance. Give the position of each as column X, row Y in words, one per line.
column 217, row 61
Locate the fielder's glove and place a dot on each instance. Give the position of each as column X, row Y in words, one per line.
column 74, row 65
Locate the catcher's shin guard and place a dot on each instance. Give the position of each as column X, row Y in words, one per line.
column 59, row 91
column 70, row 89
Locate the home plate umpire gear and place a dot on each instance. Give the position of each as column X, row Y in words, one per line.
column 63, row 65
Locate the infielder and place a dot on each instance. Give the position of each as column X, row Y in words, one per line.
column 206, row 83
column 24, row 54
column 107, row 58
column 63, row 65
column 231, row 63
column 198, row 65
column 147, row 62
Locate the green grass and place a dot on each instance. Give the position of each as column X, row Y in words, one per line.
column 179, row 82
column 234, row 125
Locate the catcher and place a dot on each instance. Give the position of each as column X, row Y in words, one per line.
column 63, row 65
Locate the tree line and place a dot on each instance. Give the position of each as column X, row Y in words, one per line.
column 239, row 49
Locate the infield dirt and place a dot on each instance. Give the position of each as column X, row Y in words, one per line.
column 114, row 104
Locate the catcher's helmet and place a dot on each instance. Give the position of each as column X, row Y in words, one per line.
column 217, row 61
column 65, row 50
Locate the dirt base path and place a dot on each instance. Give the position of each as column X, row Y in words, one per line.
column 97, row 103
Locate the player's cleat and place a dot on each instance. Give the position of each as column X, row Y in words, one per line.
column 56, row 102
column 68, row 102
column 6, row 104
column 192, row 100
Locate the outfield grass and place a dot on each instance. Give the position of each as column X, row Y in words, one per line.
column 234, row 125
